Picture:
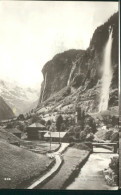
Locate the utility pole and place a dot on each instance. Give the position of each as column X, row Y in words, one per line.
column 50, row 138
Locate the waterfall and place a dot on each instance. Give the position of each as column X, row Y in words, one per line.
column 44, row 87
column 107, row 74
column 72, row 70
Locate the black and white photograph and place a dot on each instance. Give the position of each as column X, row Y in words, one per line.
column 119, row 132
column 59, row 95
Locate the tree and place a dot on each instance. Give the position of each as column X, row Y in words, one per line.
column 59, row 122
column 42, row 121
column 91, row 123
column 78, row 109
column 82, row 119
column 71, row 138
column 83, row 135
column 77, row 130
column 48, row 123
column 20, row 117
column 49, row 128
column 63, row 127
column 32, row 110
column 80, row 116
column 115, row 120
column 35, row 118
column 21, row 127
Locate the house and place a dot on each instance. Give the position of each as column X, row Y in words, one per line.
column 14, row 131
column 36, row 131
column 16, row 143
column 54, row 136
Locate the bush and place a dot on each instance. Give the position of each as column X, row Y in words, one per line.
column 78, row 80
column 115, row 121
column 21, row 117
column 35, row 118
column 21, row 127
column 77, row 129
column 108, row 134
column 81, row 146
column 10, row 125
column 42, row 121
column 83, row 135
column 90, row 137
column 87, row 129
column 63, row 127
column 48, row 123
column 114, row 164
column 67, row 92
column 115, row 137
column 71, row 139
column 91, row 123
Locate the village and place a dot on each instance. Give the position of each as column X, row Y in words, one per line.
column 35, row 127
column 46, row 135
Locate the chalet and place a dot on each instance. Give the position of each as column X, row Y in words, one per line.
column 54, row 136
column 16, row 143
column 14, row 131
column 36, row 131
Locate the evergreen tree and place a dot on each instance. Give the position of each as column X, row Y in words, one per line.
column 59, row 122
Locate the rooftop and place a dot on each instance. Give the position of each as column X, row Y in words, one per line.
column 37, row 125
column 55, row 134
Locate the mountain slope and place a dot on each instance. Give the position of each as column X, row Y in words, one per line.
column 20, row 165
column 74, row 77
column 19, row 99
column 5, row 110
column 7, row 136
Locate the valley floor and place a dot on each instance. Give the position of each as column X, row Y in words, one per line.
column 39, row 146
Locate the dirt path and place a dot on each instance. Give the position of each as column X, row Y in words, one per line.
column 91, row 175
column 58, row 159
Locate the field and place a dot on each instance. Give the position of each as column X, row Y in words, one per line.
column 72, row 158
column 20, row 165
column 120, row 159
column 39, row 146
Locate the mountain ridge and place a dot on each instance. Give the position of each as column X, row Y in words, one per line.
column 19, row 99
column 5, row 111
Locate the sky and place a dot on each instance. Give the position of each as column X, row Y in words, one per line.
column 32, row 32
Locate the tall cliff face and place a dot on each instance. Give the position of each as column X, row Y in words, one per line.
column 79, row 72
column 56, row 72
column 5, row 110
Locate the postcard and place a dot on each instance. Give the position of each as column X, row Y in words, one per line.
column 59, row 95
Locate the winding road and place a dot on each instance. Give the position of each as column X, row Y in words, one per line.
column 58, row 159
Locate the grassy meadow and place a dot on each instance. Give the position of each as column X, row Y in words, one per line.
column 20, row 165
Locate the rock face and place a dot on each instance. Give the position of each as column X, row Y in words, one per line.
column 78, row 72
column 57, row 72
column 5, row 110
